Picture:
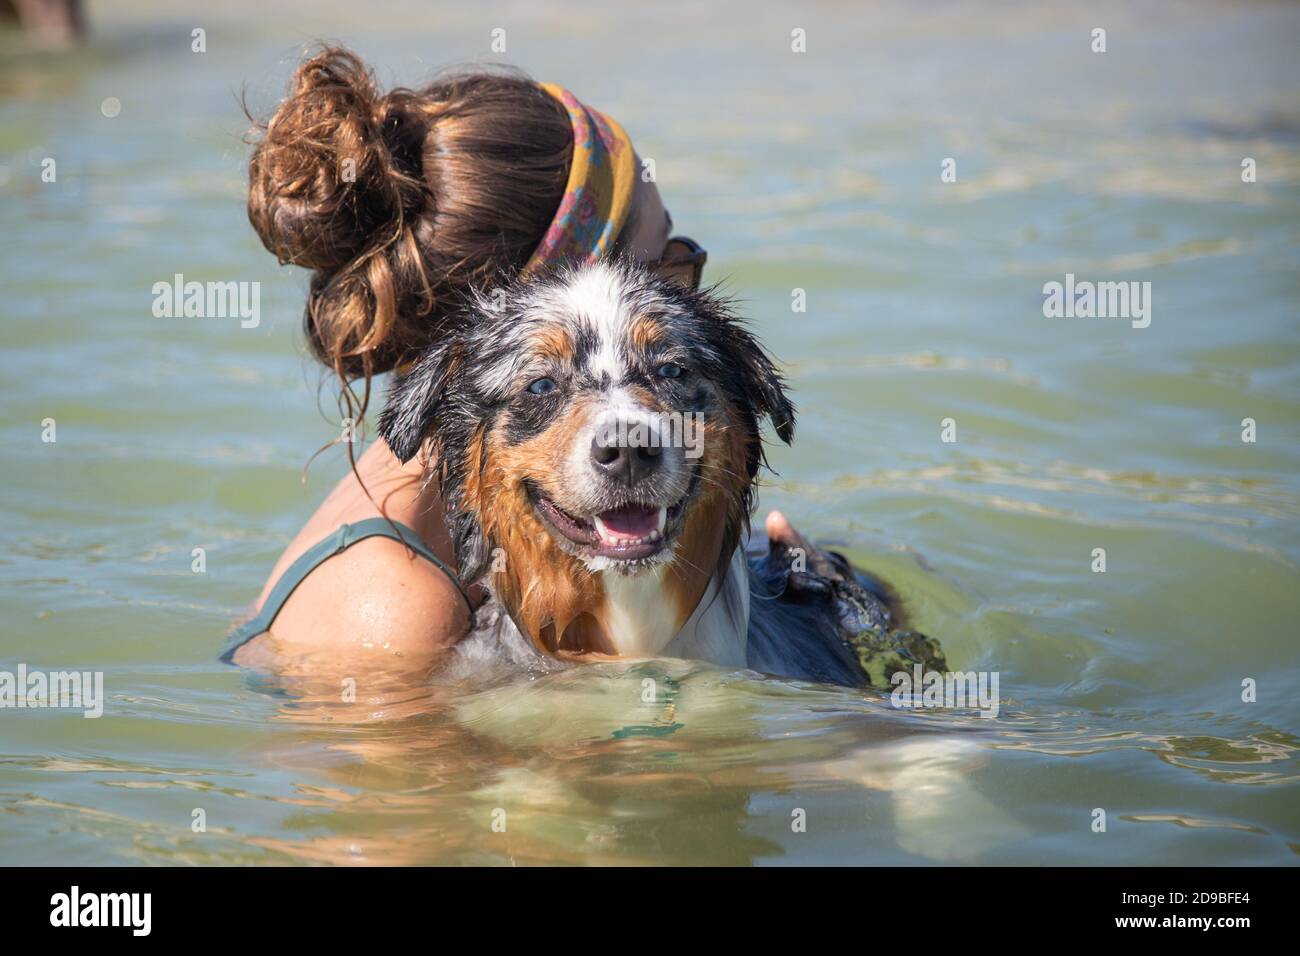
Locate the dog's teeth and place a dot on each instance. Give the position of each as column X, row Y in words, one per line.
column 663, row 521
column 612, row 539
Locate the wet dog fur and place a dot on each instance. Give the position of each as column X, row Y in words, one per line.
column 544, row 416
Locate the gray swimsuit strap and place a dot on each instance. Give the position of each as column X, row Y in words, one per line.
column 318, row 554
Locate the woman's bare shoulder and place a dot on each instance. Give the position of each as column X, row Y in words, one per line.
column 377, row 598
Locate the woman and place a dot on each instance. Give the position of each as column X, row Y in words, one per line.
column 402, row 203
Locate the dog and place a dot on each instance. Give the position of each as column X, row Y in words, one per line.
column 596, row 436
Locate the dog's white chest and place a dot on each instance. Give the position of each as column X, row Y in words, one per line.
column 639, row 619
column 642, row 622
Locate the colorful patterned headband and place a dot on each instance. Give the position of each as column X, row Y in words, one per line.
column 598, row 196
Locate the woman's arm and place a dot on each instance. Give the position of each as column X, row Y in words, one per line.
column 376, row 600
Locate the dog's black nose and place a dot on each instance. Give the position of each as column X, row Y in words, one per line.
column 625, row 458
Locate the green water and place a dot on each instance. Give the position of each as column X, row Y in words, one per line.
column 817, row 171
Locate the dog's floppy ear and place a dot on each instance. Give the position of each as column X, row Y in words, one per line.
column 413, row 399
column 433, row 402
column 763, row 383
column 746, row 370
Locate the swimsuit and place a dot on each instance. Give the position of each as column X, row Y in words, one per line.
column 318, row 554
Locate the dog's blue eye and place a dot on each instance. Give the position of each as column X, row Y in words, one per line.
column 670, row 370
column 542, row 386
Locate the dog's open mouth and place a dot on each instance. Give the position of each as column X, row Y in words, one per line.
column 629, row 533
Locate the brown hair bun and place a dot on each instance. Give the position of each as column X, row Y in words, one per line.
column 402, row 202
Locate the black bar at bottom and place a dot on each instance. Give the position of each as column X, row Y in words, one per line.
column 334, row 905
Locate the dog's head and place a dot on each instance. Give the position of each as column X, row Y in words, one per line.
column 591, row 426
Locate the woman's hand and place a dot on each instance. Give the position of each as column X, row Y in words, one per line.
column 780, row 530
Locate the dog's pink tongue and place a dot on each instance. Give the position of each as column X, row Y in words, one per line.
column 629, row 523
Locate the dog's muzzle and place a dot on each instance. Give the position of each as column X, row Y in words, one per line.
column 626, row 491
